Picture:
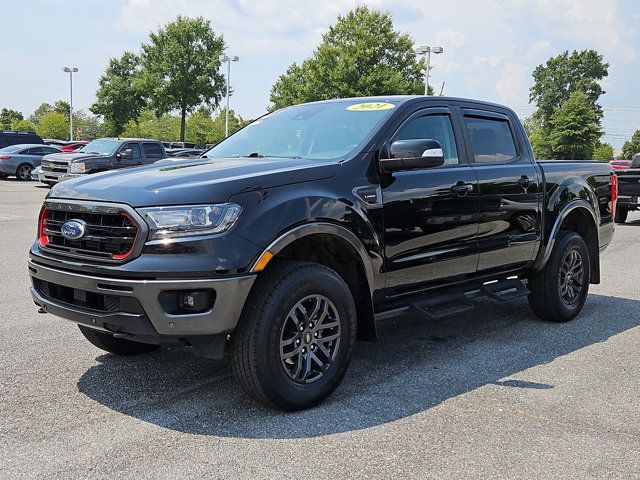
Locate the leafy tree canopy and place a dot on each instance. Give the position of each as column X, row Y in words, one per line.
column 632, row 146
column 118, row 99
column 564, row 74
column 603, row 152
column 54, row 125
column 360, row 55
column 7, row 115
column 180, row 68
column 574, row 128
column 23, row 125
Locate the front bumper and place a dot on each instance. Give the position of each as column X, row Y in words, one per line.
column 150, row 319
column 55, row 177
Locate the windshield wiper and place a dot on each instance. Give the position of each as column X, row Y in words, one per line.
column 262, row 155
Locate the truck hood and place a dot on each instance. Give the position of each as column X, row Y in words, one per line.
column 191, row 181
column 69, row 157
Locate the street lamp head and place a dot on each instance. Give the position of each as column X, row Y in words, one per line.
column 226, row 58
column 437, row 50
column 235, row 58
column 428, row 49
column 69, row 69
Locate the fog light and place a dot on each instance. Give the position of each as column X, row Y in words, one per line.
column 197, row 301
column 184, row 302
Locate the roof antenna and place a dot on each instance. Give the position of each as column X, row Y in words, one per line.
column 442, row 90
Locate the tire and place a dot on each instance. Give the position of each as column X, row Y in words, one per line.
column 23, row 172
column 554, row 295
column 268, row 333
column 621, row 215
column 117, row 346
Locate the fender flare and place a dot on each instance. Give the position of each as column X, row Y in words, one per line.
column 545, row 252
column 314, row 228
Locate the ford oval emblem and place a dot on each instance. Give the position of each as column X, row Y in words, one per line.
column 73, row 229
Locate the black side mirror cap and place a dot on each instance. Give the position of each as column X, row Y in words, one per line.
column 413, row 154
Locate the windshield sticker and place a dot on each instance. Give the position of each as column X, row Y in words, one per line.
column 370, row 107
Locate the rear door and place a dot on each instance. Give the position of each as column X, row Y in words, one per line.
column 152, row 152
column 430, row 215
column 510, row 190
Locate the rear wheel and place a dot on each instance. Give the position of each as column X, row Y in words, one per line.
column 559, row 290
column 295, row 340
column 621, row 215
column 23, row 172
column 117, row 346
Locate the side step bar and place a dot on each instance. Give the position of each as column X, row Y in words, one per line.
column 443, row 305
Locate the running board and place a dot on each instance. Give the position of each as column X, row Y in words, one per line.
column 440, row 307
column 506, row 290
column 443, row 305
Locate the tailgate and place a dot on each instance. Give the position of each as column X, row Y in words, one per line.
column 629, row 182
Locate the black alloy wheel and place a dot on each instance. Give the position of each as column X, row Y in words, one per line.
column 310, row 339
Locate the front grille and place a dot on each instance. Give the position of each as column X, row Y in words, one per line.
column 86, row 299
column 56, row 167
column 110, row 234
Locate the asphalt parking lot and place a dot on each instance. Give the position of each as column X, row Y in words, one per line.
column 492, row 393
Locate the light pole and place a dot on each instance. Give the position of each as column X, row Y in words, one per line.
column 428, row 50
column 228, row 60
column 70, row 71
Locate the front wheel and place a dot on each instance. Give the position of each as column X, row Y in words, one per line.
column 295, row 340
column 559, row 290
column 117, row 346
column 621, row 215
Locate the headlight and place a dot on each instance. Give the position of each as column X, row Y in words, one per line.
column 192, row 220
column 77, row 167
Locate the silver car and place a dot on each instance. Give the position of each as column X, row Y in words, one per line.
column 20, row 160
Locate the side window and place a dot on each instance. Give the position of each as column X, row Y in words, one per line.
column 48, row 150
column 491, row 139
column 35, row 151
column 3, row 141
column 135, row 149
column 152, row 150
column 433, row 127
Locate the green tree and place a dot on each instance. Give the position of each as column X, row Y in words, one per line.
column 7, row 115
column 54, row 125
column 603, row 152
column 62, row 107
column 360, row 55
column 564, row 74
column 165, row 127
column 574, row 128
column 89, row 125
column 118, row 99
column 39, row 112
column 180, row 68
column 23, row 125
column 200, row 127
column 632, row 146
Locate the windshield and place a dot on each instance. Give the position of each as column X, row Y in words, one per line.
column 100, row 147
column 318, row 131
column 12, row 148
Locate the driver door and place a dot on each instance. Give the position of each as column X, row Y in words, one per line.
column 431, row 214
column 136, row 155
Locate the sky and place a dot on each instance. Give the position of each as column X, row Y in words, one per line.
column 490, row 47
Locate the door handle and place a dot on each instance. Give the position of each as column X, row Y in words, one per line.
column 462, row 188
column 524, row 181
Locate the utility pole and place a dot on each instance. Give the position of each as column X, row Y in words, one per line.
column 427, row 50
column 228, row 60
column 70, row 71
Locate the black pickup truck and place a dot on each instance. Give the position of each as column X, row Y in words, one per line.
column 628, row 190
column 99, row 156
column 289, row 239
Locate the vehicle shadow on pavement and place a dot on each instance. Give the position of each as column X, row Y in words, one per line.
column 415, row 365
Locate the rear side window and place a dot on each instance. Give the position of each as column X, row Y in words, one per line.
column 491, row 139
column 152, row 150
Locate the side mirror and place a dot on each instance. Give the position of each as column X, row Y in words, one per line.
column 415, row 153
column 126, row 154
